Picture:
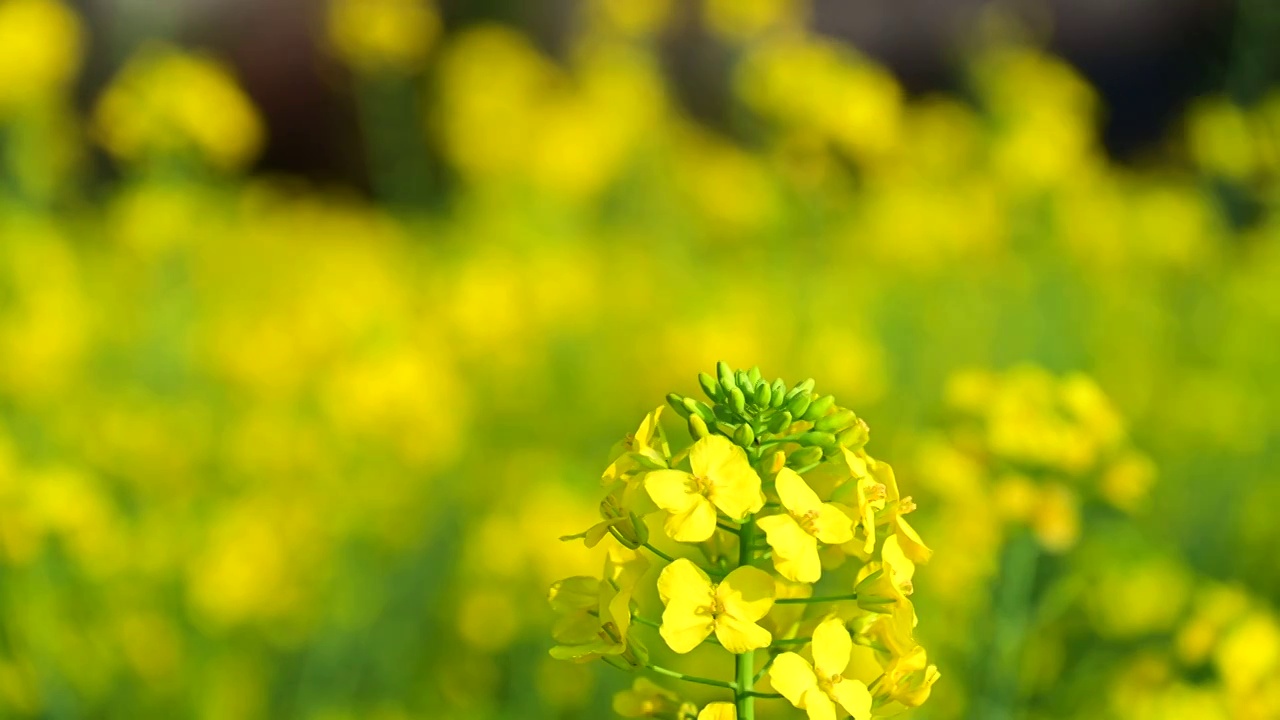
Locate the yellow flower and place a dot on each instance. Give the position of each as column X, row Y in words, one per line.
column 645, row 449
column 624, row 521
column 819, row 687
column 40, row 50
column 695, row 607
column 794, row 536
column 870, row 494
column 907, row 682
column 908, row 540
column 595, row 615
column 374, row 35
column 880, row 588
column 719, row 711
column 721, row 478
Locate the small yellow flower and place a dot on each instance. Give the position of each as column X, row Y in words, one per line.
column 719, row 711
column 645, row 449
column 721, row 478
column 906, row 682
column 617, row 516
column 880, row 588
column 819, row 687
column 695, row 607
column 908, row 540
column 377, row 35
column 795, row 535
column 870, row 494
column 595, row 615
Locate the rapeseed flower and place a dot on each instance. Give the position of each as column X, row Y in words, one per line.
column 794, row 536
column 721, row 478
column 696, row 607
column 818, row 687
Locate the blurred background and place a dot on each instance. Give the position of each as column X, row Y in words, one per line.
column 318, row 319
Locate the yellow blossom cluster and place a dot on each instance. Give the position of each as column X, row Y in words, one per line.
column 774, row 496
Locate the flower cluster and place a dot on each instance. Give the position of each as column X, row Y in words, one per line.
column 782, row 542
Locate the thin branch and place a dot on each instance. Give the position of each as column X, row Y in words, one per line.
column 693, row 678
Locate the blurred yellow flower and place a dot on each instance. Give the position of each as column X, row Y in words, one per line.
column 40, row 51
column 743, row 19
column 695, row 607
column 382, row 35
column 167, row 103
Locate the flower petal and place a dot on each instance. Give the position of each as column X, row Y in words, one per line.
column 670, row 489
column 735, row 486
column 854, row 697
column 684, row 581
column 695, row 524
column 719, row 711
column 739, row 636
column 831, row 647
column 792, row 676
column 795, row 493
column 832, row 526
column 746, row 593
column 710, row 453
column 685, row 625
column 818, row 705
column 795, row 552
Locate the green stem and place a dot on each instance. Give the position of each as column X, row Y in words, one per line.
column 792, row 641
column 646, row 621
column 766, row 695
column 727, row 528
column 745, row 664
column 692, row 678
column 659, row 553
column 765, row 668
column 1013, row 598
column 819, row 599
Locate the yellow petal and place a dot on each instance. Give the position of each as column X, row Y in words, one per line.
column 854, row 697
column 831, row 647
column 685, row 625
column 739, row 636
column 818, row 705
column 670, row 490
column 576, row 593
column 911, row 543
column 735, row 486
column 684, row 581
column 832, row 526
column 695, row 524
column 795, row 552
column 746, row 593
column 719, row 711
column 793, row 677
column 710, row 453
column 795, row 493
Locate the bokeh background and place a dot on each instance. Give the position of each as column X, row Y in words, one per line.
column 318, row 319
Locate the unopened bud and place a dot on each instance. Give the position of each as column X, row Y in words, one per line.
column 744, row 435
column 745, row 383
column 698, row 428
column 854, row 438
column 709, row 386
column 700, row 409
column 780, row 422
column 799, row 405
column 738, row 401
column 779, row 392
column 677, row 403
column 836, row 421
column 819, row 439
column 804, row 457
column 819, row 407
column 764, row 394
column 725, row 375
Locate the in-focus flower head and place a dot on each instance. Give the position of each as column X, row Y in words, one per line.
column 818, row 687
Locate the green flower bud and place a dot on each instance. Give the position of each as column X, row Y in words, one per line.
column 744, row 435
column 821, row 439
column 764, row 394
column 754, row 375
column 677, row 403
column 780, row 422
column 779, row 391
column 709, row 386
column 804, row 388
column 700, row 409
column 799, row 405
column 836, row 421
column 697, row 428
column 725, row 375
column 819, row 407
column 745, row 383
column 804, row 457
column 738, row 400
